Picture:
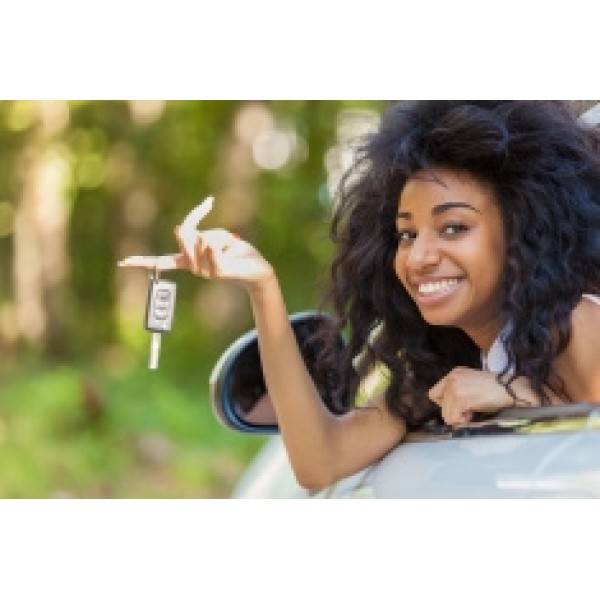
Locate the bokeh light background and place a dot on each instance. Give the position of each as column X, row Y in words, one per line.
column 85, row 183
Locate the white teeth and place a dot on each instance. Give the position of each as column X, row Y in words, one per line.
column 435, row 287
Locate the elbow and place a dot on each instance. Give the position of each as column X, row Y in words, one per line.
column 315, row 480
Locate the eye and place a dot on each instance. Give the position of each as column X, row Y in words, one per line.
column 454, row 229
column 405, row 236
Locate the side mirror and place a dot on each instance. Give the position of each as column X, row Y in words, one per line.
column 238, row 392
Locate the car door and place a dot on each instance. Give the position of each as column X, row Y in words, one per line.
column 550, row 452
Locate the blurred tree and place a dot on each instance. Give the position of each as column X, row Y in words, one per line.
column 84, row 183
column 92, row 181
column 39, row 226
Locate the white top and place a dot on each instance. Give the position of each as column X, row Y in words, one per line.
column 496, row 359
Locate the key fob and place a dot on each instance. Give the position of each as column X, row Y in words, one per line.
column 160, row 305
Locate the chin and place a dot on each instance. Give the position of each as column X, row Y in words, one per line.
column 439, row 319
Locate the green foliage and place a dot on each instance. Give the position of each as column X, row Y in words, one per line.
column 131, row 179
column 72, row 431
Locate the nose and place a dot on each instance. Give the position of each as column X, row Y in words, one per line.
column 424, row 252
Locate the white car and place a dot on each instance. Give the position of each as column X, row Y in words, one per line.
column 545, row 452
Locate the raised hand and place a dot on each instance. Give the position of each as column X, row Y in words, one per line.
column 213, row 254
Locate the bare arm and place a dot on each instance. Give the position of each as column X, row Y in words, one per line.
column 322, row 447
column 465, row 391
column 579, row 364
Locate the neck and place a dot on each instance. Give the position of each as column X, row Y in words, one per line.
column 485, row 336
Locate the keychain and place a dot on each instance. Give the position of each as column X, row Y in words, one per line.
column 161, row 292
column 159, row 313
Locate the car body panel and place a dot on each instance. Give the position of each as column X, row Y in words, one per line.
column 553, row 464
column 520, row 452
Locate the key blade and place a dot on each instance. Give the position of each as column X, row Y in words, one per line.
column 154, row 350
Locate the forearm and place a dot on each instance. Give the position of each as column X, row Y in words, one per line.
column 304, row 421
column 465, row 391
column 314, row 438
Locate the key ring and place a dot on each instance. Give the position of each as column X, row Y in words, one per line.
column 154, row 274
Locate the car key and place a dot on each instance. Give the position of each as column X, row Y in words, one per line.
column 159, row 313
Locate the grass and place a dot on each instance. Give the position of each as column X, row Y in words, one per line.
column 80, row 432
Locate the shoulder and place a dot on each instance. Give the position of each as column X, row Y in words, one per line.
column 581, row 360
column 586, row 319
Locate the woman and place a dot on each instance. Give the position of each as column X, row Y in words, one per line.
column 468, row 236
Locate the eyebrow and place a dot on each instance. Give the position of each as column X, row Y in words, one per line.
column 440, row 208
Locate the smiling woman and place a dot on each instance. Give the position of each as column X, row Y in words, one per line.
column 467, row 236
column 451, row 252
column 489, row 215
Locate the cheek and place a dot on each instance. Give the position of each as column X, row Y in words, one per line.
column 498, row 274
column 498, row 254
column 491, row 269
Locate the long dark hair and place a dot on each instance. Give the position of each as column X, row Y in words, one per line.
column 544, row 168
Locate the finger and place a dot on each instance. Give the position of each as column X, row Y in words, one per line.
column 458, row 415
column 197, row 214
column 167, row 262
column 452, row 416
column 212, row 248
column 467, row 416
column 234, row 239
column 221, row 241
column 447, row 415
column 199, row 257
column 436, row 393
column 186, row 240
column 460, row 419
column 213, row 267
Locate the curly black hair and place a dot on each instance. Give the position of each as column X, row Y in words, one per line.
column 544, row 167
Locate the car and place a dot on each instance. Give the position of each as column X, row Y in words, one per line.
column 542, row 452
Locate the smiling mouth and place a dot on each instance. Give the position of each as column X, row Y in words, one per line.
column 434, row 289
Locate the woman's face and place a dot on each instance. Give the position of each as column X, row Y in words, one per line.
column 451, row 251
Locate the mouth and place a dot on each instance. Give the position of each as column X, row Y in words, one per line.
column 431, row 292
